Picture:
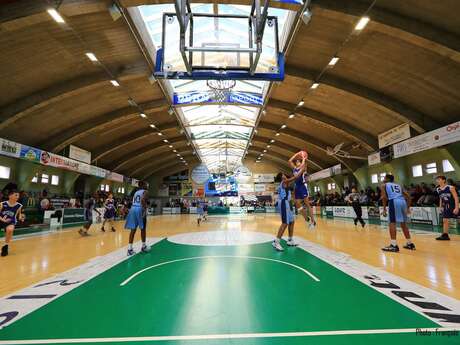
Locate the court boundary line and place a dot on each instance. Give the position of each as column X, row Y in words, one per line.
column 61, row 283
column 366, row 273
column 227, row 336
column 134, row 275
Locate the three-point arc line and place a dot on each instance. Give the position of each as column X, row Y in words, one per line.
column 316, row 279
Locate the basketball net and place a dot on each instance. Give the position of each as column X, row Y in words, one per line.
column 220, row 89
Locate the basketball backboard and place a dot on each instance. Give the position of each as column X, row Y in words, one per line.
column 219, row 45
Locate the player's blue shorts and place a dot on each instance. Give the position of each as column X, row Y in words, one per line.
column 397, row 211
column 447, row 212
column 301, row 191
column 135, row 218
column 285, row 211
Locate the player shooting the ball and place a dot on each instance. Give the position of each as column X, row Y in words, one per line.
column 301, row 188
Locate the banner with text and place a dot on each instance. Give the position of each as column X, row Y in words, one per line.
column 394, row 135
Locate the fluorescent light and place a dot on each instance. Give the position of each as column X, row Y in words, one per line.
column 277, row 134
column 314, row 86
column 160, row 134
column 174, row 151
column 291, row 116
column 265, row 151
column 272, row 141
column 283, row 126
column 55, row 15
column 268, row 146
column 143, row 116
column 91, row 56
column 170, row 146
column 115, row 83
column 178, row 155
column 301, row 103
column 333, row 61
column 362, row 23
column 261, row 155
column 165, row 140
column 152, row 125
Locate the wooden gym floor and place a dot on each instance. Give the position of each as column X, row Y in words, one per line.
column 434, row 264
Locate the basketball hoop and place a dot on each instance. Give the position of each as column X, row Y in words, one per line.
column 220, row 89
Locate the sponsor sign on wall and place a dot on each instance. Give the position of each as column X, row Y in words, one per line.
column 264, row 178
column 259, row 187
column 30, row 153
column 79, row 154
column 439, row 137
column 244, row 188
column 10, row 148
column 394, row 135
column 242, row 174
column 113, row 176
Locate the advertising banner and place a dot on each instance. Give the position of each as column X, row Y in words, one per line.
column 334, row 170
column 79, row 154
column 439, row 137
column 264, row 178
column 373, row 158
column 242, row 174
column 424, row 216
column 10, row 148
column 373, row 214
column 30, row 153
column 186, row 189
column 343, row 211
column 259, row 187
column 113, row 176
column 329, row 212
column 239, row 97
column 244, row 188
column 73, row 215
column 394, row 135
column 99, row 172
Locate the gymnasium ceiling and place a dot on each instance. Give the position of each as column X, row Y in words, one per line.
column 404, row 66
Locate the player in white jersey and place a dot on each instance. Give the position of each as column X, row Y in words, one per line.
column 398, row 204
column 137, row 218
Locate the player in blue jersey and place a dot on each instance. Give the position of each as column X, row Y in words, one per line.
column 137, row 218
column 296, row 162
column 10, row 214
column 287, row 217
column 448, row 203
column 398, row 206
column 109, row 213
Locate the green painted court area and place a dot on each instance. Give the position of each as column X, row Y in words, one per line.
column 218, row 292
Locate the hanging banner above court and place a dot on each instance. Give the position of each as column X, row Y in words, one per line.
column 248, row 98
column 200, row 174
column 374, row 158
column 79, row 154
column 439, row 137
column 334, row 170
column 10, row 148
column 394, row 135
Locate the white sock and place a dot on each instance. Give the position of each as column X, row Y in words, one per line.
column 290, row 238
column 394, row 243
column 277, row 240
column 130, row 246
column 409, row 241
column 144, row 244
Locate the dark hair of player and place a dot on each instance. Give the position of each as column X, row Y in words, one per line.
column 13, row 191
column 441, row 177
column 389, row 177
column 279, row 177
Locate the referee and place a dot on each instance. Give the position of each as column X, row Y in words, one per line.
column 353, row 200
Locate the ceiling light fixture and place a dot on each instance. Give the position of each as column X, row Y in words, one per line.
column 165, row 140
column 91, row 56
column 265, row 151
column 55, row 15
column 362, row 23
column 272, row 141
column 268, row 146
column 143, row 115
column 277, row 134
column 160, row 134
column 301, row 103
column 115, row 83
column 333, row 61
column 170, row 146
column 314, row 86
column 291, row 116
column 283, row 126
column 152, row 125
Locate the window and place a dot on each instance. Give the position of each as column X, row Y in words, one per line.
column 374, row 178
column 382, row 176
column 317, row 189
column 45, row 178
column 4, row 172
column 330, row 186
column 54, row 180
column 105, row 187
column 431, row 168
column 417, row 170
column 121, row 190
column 446, row 166
column 34, row 179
